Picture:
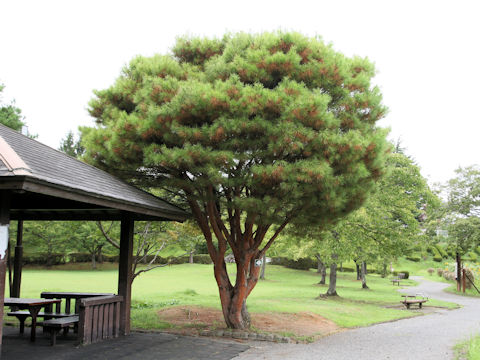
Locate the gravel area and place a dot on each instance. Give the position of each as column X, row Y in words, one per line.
column 425, row 337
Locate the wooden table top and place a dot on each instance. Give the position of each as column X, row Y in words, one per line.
column 74, row 294
column 29, row 302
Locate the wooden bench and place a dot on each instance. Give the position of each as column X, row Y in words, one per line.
column 412, row 300
column 397, row 279
column 55, row 325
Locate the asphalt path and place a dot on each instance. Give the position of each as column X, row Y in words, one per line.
column 424, row 337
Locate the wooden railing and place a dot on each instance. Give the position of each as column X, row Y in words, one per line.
column 99, row 318
column 68, row 307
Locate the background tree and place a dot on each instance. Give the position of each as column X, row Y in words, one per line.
column 463, row 216
column 391, row 219
column 150, row 238
column 253, row 131
column 71, row 146
column 10, row 115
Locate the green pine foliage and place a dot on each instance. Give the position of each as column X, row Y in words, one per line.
column 282, row 123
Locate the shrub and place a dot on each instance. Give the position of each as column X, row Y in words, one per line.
column 470, row 276
column 441, row 251
column 299, row 264
column 477, row 250
column 404, row 272
column 437, row 258
column 440, row 272
column 430, row 271
column 202, row 259
column 44, row 259
column 448, row 275
column 415, row 258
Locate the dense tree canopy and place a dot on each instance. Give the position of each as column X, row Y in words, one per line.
column 253, row 131
column 463, row 209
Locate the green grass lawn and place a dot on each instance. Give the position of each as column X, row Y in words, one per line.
column 469, row 350
column 285, row 290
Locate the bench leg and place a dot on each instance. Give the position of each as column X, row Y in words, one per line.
column 65, row 330
column 53, row 338
column 408, row 305
column 22, row 319
column 420, row 305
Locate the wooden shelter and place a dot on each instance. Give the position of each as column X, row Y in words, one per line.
column 41, row 183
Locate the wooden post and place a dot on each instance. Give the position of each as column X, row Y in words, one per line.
column 17, row 262
column 125, row 271
column 4, row 222
column 464, row 280
column 459, row 272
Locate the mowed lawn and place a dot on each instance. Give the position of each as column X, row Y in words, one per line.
column 284, row 290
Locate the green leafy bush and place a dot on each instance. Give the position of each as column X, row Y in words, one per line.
column 415, row 258
column 441, row 251
column 44, row 259
column 299, row 264
column 437, row 258
column 202, row 259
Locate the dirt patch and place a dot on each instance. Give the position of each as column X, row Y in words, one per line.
column 192, row 319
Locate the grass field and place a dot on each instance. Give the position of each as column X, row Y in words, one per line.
column 285, row 290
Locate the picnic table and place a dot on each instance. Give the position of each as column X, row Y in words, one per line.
column 33, row 306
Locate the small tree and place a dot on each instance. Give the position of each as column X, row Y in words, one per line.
column 253, row 131
column 150, row 238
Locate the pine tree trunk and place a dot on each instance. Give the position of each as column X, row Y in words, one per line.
column 262, row 270
column 364, row 275
column 233, row 298
column 332, row 286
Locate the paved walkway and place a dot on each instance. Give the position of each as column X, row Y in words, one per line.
column 144, row 346
column 425, row 337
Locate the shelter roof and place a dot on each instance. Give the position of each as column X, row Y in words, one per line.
column 47, row 182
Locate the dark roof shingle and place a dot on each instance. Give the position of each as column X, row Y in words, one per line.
column 56, row 168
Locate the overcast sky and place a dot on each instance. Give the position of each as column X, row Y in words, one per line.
column 427, row 54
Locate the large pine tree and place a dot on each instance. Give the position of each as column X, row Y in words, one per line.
column 253, row 131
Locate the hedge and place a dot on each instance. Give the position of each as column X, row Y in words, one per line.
column 415, row 258
column 441, row 251
column 59, row 259
column 437, row 258
column 299, row 264
column 44, row 259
